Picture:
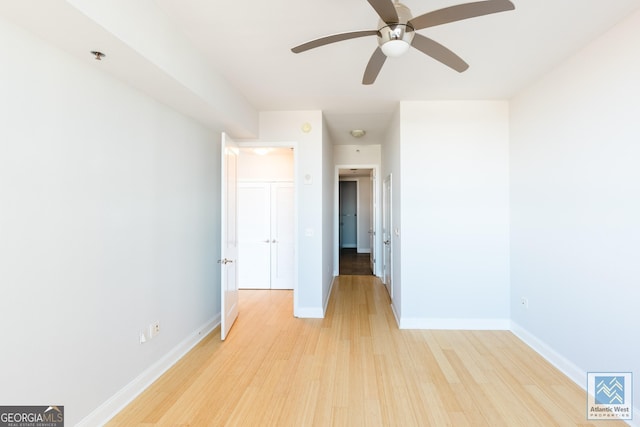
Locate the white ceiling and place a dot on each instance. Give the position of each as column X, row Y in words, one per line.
column 249, row 42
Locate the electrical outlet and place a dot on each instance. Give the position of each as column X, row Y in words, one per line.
column 524, row 302
column 154, row 329
column 142, row 337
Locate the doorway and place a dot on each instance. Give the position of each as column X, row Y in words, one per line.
column 356, row 220
column 267, row 217
column 348, row 211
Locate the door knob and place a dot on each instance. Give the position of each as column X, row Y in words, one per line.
column 224, row 261
column 386, row 242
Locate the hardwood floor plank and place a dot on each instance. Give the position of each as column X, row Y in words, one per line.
column 355, row 368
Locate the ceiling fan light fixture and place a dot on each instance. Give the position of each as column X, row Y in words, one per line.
column 395, row 48
column 395, row 40
column 396, row 32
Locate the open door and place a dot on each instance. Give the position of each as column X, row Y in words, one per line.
column 228, row 236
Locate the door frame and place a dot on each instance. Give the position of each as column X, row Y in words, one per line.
column 387, row 219
column 296, row 205
column 377, row 249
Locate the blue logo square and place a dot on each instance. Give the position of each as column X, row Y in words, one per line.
column 609, row 390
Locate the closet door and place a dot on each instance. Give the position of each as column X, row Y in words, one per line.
column 282, row 233
column 254, row 236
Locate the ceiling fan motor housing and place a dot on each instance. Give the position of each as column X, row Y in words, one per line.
column 395, row 38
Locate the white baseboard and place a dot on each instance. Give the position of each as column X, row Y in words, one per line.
column 310, row 313
column 568, row 368
column 565, row 366
column 395, row 314
column 126, row 395
column 363, row 250
column 455, row 324
column 326, row 303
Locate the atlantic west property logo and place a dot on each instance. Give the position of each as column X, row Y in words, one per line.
column 609, row 396
column 610, row 390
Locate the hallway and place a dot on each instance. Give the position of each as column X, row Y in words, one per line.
column 355, row 368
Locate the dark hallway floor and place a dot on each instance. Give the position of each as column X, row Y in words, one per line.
column 354, row 264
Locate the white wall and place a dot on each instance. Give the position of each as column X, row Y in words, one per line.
column 287, row 126
column 109, row 220
column 357, row 154
column 455, row 206
column 575, row 231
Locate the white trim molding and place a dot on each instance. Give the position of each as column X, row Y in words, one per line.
column 102, row 414
column 395, row 314
column 455, row 324
column 310, row 313
column 326, row 303
column 565, row 366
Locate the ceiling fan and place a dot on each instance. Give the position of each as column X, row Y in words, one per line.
column 397, row 32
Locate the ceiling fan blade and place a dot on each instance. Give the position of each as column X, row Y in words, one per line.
column 374, row 66
column 332, row 39
column 439, row 52
column 460, row 12
column 385, row 10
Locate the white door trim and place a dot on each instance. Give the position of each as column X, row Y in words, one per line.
column 336, row 217
column 296, row 203
column 387, row 234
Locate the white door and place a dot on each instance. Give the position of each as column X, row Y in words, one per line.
column 387, row 225
column 265, row 235
column 282, row 236
column 254, row 235
column 228, row 235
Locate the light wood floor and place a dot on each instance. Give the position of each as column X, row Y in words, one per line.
column 355, row 368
